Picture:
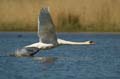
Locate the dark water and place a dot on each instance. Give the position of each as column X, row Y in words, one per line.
column 100, row 61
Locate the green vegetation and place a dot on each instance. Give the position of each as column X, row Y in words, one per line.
column 68, row 15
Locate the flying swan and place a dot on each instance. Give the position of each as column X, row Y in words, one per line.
column 47, row 36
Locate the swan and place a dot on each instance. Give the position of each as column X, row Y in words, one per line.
column 47, row 36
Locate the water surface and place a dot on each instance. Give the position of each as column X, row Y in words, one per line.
column 100, row 61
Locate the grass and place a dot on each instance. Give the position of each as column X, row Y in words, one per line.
column 68, row 15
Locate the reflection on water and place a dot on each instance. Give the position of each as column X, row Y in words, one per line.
column 45, row 59
column 99, row 61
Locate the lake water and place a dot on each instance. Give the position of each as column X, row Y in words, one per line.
column 99, row 61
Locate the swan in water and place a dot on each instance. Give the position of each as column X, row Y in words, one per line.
column 47, row 36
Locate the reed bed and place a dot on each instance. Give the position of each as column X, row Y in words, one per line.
column 68, row 15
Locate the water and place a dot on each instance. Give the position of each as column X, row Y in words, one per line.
column 99, row 61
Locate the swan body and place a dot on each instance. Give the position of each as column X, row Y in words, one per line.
column 47, row 36
column 40, row 45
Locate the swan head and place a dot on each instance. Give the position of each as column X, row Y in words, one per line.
column 90, row 42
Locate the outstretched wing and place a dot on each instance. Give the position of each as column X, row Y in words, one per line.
column 46, row 29
column 25, row 52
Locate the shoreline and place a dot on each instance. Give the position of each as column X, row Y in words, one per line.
column 62, row 32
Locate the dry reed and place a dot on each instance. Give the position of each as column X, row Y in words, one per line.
column 68, row 15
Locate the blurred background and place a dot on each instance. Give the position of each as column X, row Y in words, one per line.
column 68, row 15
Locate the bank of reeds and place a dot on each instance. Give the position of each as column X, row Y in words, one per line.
column 68, row 15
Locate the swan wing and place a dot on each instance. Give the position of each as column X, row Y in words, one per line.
column 26, row 51
column 46, row 29
column 31, row 50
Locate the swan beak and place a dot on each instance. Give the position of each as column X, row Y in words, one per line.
column 92, row 42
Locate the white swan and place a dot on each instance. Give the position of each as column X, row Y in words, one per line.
column 47, row 36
